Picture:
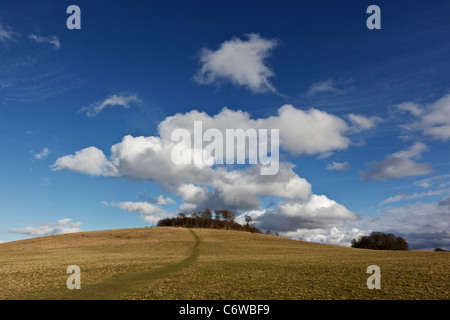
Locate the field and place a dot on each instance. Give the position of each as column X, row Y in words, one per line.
column 179, row 263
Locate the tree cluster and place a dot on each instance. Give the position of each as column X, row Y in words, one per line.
column 380, row 241
column 222, row 219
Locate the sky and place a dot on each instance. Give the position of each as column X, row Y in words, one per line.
column 363, row 115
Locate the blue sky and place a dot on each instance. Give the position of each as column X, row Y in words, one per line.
column 383, row 94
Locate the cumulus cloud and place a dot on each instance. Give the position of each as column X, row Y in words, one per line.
column 399, row 165
column 339, row 166
column 163, row 201
column 238, row 188
column 241, row 62
column 149, row 212
column 53, row 40
column 297, row 216
column 192, row 193
column 90, row 161
column 112, row 101
column 431, row 119
column 427, row 227
column 149, row 158
column 336, row 235
column 48, row 229
column 301, row 131
column 312, row 131
column 41, row 155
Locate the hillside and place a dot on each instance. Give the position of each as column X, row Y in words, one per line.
column 180, row 263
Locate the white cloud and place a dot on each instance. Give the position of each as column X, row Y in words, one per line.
column 432, row 119
column 241, row 62
column 301, row 131
column 329, row 86
column 53, row 40
column 164, row 201
column 399, row 165
column 149, row 158
column 339, row 166
column 311, row 132
column 190, row 192
column 315, row 212
column 440, row 181
column 335, row 235
column 45, row 152
column 415, row 151
column 149, row 212
column 325, row 86
column 114, row 100
column 47, row 229
column 240, row 189
column 90, row 161
column 361, row 123
column 411, row 107
column 6, row 34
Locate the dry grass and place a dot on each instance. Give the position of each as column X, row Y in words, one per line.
column 237, row 265
column 40, row 264
column 226, row 265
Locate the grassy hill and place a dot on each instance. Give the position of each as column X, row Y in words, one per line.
column 180, row 263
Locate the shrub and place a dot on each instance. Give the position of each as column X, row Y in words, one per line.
column 380, row 241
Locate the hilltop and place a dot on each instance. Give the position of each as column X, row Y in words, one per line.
column 181, row 263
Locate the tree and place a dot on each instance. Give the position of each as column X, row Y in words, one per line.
column 228, row 215
column 204, row 220
column 206, row 214
column 248, row 219
column 380, row 241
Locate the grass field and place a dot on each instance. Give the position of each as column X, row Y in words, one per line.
column 178, row 263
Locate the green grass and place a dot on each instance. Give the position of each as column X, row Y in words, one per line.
column 177, row 263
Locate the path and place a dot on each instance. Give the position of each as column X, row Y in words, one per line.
column 120, row 286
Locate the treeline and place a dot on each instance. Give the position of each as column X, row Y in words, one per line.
column 222, row 219
column 380, row 241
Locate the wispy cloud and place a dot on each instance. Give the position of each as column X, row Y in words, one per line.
column 241, row 62
column 115, row 100
column 439, row 181
column 53, row 40
column 361, row 123
column 329, row 86
column 414, row 195
column 41, row 155
column 339, row 166
column 399, row 165
column 6, row 34
column 431, row 119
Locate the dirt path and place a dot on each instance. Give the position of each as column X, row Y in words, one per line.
column 121, row 286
